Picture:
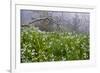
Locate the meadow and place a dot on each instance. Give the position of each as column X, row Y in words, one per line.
column 41, row 46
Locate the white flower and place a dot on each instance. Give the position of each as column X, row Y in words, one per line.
column 50, row 43
column 61, row 43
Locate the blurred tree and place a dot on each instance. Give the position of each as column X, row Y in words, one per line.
column 76, row 24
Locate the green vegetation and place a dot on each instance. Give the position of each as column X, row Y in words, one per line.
column 37, row 46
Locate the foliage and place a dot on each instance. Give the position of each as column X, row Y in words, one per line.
column 37, row 46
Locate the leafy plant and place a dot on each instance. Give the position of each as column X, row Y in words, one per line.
column 37, row 46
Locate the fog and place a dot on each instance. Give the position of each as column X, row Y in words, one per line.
column 56, row 20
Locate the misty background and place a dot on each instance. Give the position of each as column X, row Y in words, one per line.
column 61, row 21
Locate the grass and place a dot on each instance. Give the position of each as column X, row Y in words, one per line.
column 37, row 46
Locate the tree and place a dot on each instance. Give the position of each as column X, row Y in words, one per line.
column 76, row 24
